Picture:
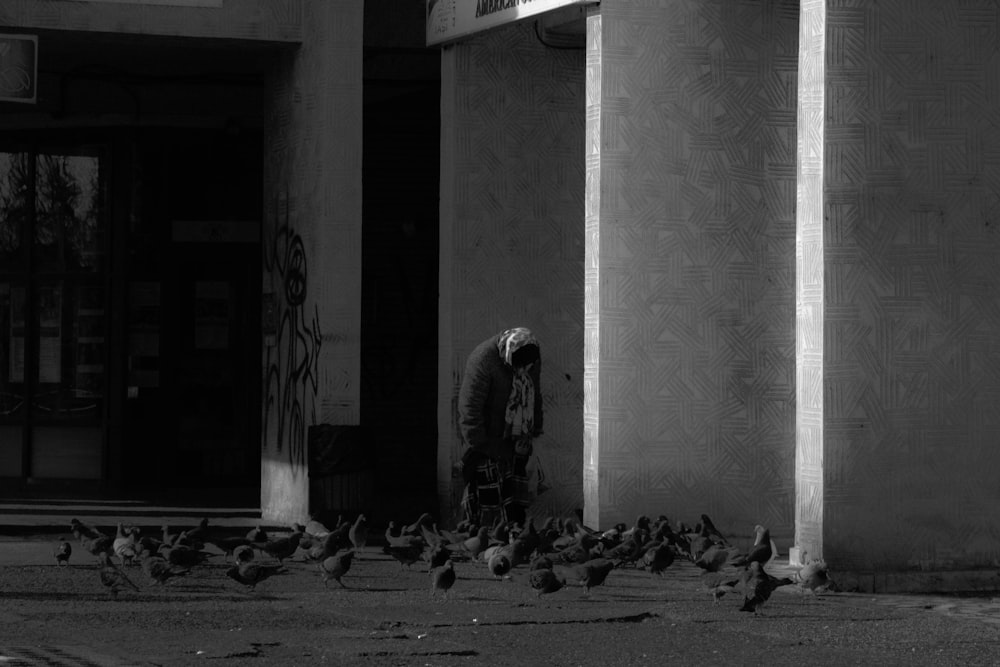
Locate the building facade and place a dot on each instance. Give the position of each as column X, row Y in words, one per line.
column 788, row 209
column 754, row 239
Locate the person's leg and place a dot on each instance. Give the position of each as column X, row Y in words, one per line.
column 470, row 503
column 489, row 491
column 517, row 489
column 514, row 484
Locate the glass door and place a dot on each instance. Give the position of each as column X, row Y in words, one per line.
column 53, row 314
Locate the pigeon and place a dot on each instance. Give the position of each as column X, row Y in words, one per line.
column 489, row 552
column 257, row 534
column 814, row 577
column 593, row 572
column 62, row 553
column 358, row 533
column 159, row 570
column 476, row 544
column 442, row 578
column 613, row 535
column 500, row 532
column 451, row 538
column 431, row 535
column 336, row 567
column 710, row 531
column 228, row 545
column 79, row 528
column 168, row 537
column 499, row 565
column 98, row 546
column 628, row 551
column 547, row 535
column 541, row 563
column 307, row 541
column 113, row 578
column 524, row 545
column 326, row 548
column 147, row 546
column 282, row 547
column 243, row 554
column 723, row 582
column 124, row 545
column 424, row 521
column 437, row 555
column 760, row 552
column 402, row 539
column 580, row 552
column 406, row 555
column 566, row 538
column 580, row 549
column 545, row 581
column 698, row 542
column 196, row 537
column 183, row 556
column 639, row 530
column 316, row 528
column 340, row 537
column 758, row 587
column 716, row 557
column 659, row 558
column 250, row 574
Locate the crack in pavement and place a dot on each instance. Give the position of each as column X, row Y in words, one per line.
column 389, row 654
column 631, row 618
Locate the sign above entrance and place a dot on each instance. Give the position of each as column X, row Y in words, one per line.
column 449, row 20
column 18, row 68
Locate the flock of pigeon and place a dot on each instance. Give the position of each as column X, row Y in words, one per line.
column 557, row 551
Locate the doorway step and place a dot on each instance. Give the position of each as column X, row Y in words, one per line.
column 52, row 517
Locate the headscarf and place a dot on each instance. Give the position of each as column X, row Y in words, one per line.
column 520, row 413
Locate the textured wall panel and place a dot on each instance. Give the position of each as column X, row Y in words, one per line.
column 312, row 247
column 690, row 308
column 513, row 234
column 911, row 366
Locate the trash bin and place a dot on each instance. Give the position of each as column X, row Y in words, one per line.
column 341, row 471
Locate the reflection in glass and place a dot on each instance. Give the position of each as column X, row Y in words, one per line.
column 71, row 352
column 53, row 321
column 14, row 208
column 68, row 233
column 11, row 350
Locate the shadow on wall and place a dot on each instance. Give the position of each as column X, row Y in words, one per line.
column 341, row 473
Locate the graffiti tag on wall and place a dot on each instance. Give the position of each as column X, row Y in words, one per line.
column 292, row 367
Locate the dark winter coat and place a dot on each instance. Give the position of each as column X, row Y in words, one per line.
column 482, row 400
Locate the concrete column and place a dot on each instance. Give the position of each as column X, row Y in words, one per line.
column 312, row 248
column 809, row 283
column 899, row 376
column 689, row 359
column 592, row 278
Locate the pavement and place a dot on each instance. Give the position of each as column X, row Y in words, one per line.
column 387, row 615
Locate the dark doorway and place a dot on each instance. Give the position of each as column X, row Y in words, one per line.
column 194, row 274
column 400, row 290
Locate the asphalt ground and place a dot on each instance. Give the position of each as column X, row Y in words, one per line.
column 386, row 615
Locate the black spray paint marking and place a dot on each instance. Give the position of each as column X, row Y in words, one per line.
column 292, row 375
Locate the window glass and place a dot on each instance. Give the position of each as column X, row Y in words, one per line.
column 71, row 351
column 68, row 230
column 14, row 209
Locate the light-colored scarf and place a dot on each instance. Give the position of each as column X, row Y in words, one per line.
column 520, row 413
